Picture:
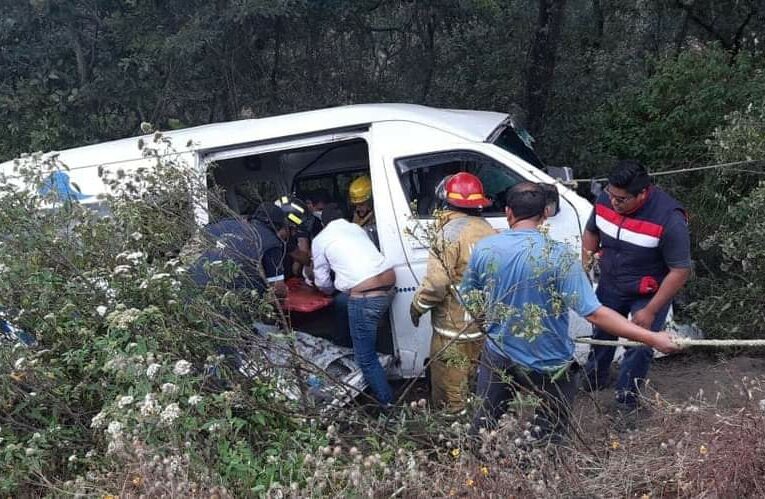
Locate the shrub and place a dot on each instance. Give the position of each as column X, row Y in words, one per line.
column 730, row 288
column 125, row 391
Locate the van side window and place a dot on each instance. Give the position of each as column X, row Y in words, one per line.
column 420, row 175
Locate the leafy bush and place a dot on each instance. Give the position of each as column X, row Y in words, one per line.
column 666, row 120
column 730, row 290
column 125, row 390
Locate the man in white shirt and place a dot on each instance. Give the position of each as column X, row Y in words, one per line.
column 362, row 272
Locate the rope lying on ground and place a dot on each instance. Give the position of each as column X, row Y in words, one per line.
column 684, row 342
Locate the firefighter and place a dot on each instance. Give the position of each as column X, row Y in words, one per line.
column 456, row 343
column 257, row 245
column 360, row 198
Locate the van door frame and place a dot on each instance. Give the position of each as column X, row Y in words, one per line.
column 380, row 189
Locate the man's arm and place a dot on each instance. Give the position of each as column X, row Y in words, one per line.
column 273, row 268
column 590, row 246
column 676, row 251
column 612, row 322
column 435, row 285
column 590, row 241
column 579, row 296
column 322, row 278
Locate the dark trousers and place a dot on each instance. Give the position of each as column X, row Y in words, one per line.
column 499, row 378
column 637, row 360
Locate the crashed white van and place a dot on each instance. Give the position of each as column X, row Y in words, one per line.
column 406, row 150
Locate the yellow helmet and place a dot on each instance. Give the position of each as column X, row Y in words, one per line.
column 360, row 190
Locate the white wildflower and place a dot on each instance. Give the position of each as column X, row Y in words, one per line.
column 195, row 399
column 162, row 275
column 134, row 256
column 98, row 420
column 30, row 451
column 72, row 458
column 169, row 389
column 152, row 370
column 123, row 318
column 214, row 428
column 114, row 429
column 19, row 364
column 170, row 414
column 136, row 236
column 90, row 453
column 121, row 270
column 182, row 368
column 150, row 406
column 124, row 401
column 101, row 310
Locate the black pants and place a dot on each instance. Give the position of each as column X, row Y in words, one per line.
column 498, row 381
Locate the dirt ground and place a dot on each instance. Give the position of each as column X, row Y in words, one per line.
column 682, row 379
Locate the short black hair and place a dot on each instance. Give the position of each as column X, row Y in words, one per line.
column 630, row 175
column 526, row 200
column 330, row 214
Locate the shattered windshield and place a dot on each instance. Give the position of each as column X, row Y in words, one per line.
column 518, row 143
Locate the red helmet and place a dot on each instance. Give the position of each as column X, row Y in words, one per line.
column 463, row 190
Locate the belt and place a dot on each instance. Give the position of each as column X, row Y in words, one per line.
column 378, row 291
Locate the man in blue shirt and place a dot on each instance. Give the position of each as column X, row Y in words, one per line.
column 520, row 285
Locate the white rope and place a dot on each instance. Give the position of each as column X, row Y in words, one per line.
column 683, row 342
column 684, row 170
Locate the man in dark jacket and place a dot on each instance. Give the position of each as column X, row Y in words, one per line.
column 639, row 234
column 258, row 246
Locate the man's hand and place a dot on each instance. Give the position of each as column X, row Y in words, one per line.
column 665, row 342
column 415, row 315
column 644, row 318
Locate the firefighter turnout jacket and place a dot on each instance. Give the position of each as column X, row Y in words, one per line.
column 457, row 233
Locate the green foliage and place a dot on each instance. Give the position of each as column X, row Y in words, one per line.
column 666, row 120
column 730, row 297
column 729, row 294
column 125, row 384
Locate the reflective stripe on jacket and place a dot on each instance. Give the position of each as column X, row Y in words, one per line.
column 631, row 258
column 449, row 255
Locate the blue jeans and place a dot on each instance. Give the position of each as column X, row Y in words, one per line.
column 364, row 315
column 637, row 360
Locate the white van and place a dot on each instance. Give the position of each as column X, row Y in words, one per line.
column 406, row 150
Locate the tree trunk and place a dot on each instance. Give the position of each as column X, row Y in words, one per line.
column 599, row 21
column 541, row 66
